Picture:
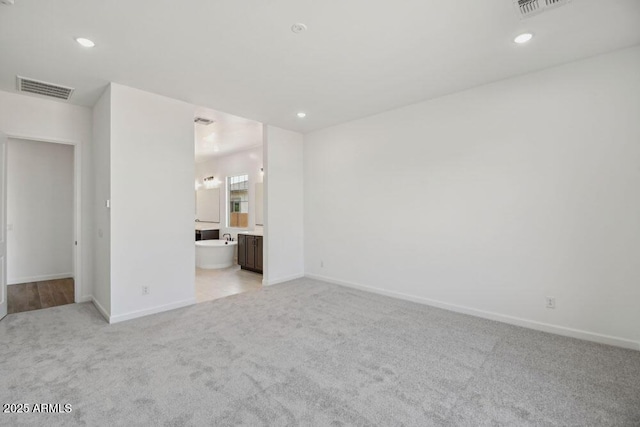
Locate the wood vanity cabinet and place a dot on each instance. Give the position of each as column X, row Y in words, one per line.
column 250, row 252
column 207, row 234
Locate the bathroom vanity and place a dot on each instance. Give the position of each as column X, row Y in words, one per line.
column 207, row 231
column 207, row 234
column 250, row 252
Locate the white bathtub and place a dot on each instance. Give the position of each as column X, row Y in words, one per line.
column 214, row 253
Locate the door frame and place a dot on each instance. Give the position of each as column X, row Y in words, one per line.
column 77, row 204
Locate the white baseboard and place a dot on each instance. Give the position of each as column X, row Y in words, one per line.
column 282, row 279
column 141, row 313
column 42, row 278
column 86, row 298
column 101, row 309
column 526, row 323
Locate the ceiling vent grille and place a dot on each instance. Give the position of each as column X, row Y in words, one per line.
column 203, row 121
column 528, row 8
column 43, row 88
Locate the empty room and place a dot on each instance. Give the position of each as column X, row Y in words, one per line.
column 336, row 213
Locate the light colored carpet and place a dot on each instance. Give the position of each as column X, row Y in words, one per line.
column 308, row 353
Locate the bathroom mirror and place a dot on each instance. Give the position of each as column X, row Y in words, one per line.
column 208, row 205
column 238, row 197
column 259, row 196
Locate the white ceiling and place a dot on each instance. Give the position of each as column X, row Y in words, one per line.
column 226, row 135
column 358, row 57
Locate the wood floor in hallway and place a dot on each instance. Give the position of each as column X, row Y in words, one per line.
column 37, row 295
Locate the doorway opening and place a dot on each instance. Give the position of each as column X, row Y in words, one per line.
column 40, row 202
column 229, row 205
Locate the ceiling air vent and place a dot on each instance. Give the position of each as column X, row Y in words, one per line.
column 528, row 8
column 203, row 121
column 43, row 88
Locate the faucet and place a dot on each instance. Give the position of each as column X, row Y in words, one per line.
column 228, row 239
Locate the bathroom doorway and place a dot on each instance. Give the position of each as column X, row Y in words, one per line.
column 229, row 205
column 41, row 221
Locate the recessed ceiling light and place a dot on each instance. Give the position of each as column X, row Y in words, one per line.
column 85, row 42
column 523, row 38
column 302, row 115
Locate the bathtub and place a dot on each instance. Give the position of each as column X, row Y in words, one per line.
column 212, row 254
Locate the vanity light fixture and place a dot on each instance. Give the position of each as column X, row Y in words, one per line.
column 523, row 38
column 85, row 42
column 209, row 182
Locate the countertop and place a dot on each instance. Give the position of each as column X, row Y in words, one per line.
column 252, row 233
column 207, row 226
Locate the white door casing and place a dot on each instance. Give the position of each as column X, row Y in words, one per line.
column 3, row 225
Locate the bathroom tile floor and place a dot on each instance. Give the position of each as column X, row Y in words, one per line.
column 214, row 284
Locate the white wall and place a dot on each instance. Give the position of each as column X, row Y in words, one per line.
column 39, row 211
column 152, row 205
column 488, row 200
column 101, row 167
column 36, row 118
column 240, row 163
column 284, row 236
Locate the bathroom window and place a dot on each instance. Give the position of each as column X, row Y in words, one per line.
column 238, row 196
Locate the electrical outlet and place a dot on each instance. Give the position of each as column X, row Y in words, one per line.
column 551, row 302
column 145, row 290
